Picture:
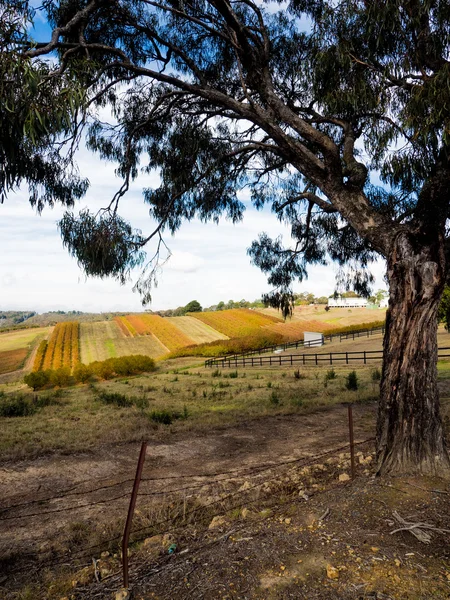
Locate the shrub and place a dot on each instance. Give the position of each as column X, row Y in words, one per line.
column 17, row 406
column 216, row 373
column 141, row 402
column 330, row 374
column 82, row 373
column 351, row 381
column 166, row 417
column 37, row 379
column 274, row 398
column 233, row 374
column 298, row 375
column 376, row 375
column 60, row 377
column 115, row 398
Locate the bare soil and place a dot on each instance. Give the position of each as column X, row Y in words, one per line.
column 304, row 535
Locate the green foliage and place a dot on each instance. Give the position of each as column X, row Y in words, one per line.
column 233, row 375
column 444, row 308
column 24, row 405
column 274, row 398
column 82, row 373
column 375, row 375
column 37, row 379
column 107, row 369
column 193, row 306
column 351, row 381
column 17, row 406
column 115, row 398
column 299, row 375
column 166, row 417
column 103, row 246
column 60, row 377
column 330, row 374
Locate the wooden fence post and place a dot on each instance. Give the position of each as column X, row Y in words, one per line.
column 127, row 530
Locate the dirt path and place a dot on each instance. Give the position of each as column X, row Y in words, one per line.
column 253, row 443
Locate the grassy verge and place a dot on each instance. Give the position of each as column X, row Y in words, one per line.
column 134, row 408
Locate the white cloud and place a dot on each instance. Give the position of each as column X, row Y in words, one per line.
column 209, row 262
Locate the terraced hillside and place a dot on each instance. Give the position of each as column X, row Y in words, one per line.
column 106, row 339
column 236, row 322
column 167, row 334
column 202, row 334
column 196, row 330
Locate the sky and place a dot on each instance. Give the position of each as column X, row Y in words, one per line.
column 209, row 262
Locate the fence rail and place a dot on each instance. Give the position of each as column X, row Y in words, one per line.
column 297, row 344
column 327, row 358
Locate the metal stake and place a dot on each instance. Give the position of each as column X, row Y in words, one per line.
column 126, row 532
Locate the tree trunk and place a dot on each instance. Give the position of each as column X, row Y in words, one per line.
column 410, row 436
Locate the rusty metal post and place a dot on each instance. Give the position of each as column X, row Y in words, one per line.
column 127, row 530
column 352, row 445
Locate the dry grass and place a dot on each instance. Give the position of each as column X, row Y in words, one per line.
column 195, row 329
column 335, row 317
column 211, row 399
column 13, row 340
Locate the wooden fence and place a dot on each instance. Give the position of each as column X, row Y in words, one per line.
column 211, row 362
column 328, row 358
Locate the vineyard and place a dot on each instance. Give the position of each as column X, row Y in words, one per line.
column 294, row 330
column 196, row 330
column 62, row 349
column 236, row 322
column 169, row 335
column 207, row 334
column 108, row 339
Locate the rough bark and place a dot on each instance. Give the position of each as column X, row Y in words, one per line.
column 410, row 436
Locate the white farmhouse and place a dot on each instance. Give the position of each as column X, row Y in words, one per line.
column 347, row 302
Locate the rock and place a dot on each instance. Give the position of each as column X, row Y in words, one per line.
column 245, row 486
column 122, row 594
column 155, row 540
column 332, row 572
column 217, row 522
column 167, row 540
column 153, row 546
column 344, row 477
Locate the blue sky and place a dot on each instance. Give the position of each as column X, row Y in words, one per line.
column 209, row 263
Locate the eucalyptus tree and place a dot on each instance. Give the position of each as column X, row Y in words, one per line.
column 306, row 105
